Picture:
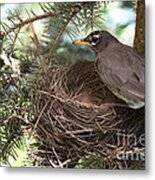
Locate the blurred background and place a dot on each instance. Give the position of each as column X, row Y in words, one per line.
column 116, row 17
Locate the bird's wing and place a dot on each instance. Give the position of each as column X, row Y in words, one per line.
column 121, row 68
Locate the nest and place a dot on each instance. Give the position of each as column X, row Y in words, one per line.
column 78, row 116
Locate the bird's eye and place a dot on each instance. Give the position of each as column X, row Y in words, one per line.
column 95, row 39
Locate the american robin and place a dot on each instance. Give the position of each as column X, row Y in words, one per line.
column 119, row 66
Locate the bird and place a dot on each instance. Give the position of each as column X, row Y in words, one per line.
column 119, row 67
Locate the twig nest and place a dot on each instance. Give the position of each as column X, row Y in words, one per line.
column 77, row 115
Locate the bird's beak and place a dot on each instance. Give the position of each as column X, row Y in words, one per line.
column 81, row 42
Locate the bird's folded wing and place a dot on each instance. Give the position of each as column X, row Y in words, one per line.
column 121, row 68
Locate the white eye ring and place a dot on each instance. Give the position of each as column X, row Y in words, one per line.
column 96, row 36
column 93, row 44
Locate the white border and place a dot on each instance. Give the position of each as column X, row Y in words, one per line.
column 39, row 174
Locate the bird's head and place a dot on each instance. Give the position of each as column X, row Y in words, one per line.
column 98, row 40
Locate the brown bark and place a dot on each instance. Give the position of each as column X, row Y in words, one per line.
column 139, row 42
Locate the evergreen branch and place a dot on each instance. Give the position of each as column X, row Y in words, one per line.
column 92, row 20
column 12, row 140
column 76, row 25
column 35, row 39
column 39, row 17
column 51, row 49
column 14, row 117
column 15, row 39
column 7, row 72
column 1, row 41
column 31, row 20
column 73, row 13
column 58, row 37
